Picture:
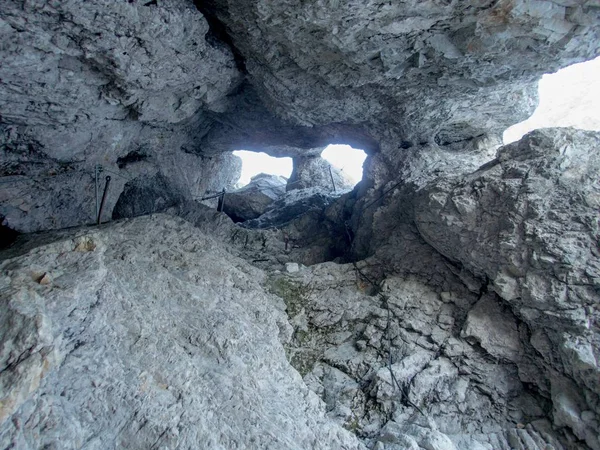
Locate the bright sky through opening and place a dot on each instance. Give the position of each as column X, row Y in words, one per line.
column 254, row 163
column 568, row 98
column 344, row 157
column 349, row 160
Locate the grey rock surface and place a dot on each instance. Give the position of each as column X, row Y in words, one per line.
column 383, row 348
column 144, row 196
column 254, row 199
column 86, row 83
column 38, row 193
column 294, row 204
column 309, row 224
column 528, row 221
column 316, row 172
column 429, row 70
column 149, row 333
column 311, row 237
column 129, row 62
column 466, row 315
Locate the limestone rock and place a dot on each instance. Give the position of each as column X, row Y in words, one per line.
column 86, row 83
column 494, row 329
column 308, row 239
column 127, row 61
column 528, row 221
column 292, row 267
column 42, row 194
column 254, row 199
column 466, row 314
column 434, row 70
column 144, row 196
column 316, row 172
column 372, row 357
column 293, row 205
column 157, row 336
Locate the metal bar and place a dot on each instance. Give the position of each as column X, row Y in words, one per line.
column 332, row 182
column 212, row 196
column 96, row 181
column 221, row 203
column 103, row 198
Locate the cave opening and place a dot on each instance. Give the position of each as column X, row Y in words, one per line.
column 310, row 179
column 447, row 301
column 255, row 163
column 346, row 159
column 567, row 98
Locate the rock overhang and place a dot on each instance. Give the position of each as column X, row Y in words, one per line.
column 423, row 87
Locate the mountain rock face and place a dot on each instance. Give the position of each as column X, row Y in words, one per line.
column 528, row 221
column 145, row 196
column 86, row 83
column 450, row 301
column 314, row 171
column 149, row 334
column 253, row 200
column 435, row 69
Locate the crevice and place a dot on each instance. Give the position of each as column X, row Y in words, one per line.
column 7, row 235
column 218, row 33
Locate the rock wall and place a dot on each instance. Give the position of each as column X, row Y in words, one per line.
column 143, row 334
column 391, row 355
column 435, row 69
column 418, row 346
column 524, row 228
column 528, row 221
column 314, row 171
column 86, row 83
column 254, row 199
column 466, row 313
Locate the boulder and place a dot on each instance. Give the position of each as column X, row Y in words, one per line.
column 293, row 205
column 254, row 199
column 528, row 222
column 316, row 172
column 149, row 335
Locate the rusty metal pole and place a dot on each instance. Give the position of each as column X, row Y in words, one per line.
column 331, row 175
column 103, row 199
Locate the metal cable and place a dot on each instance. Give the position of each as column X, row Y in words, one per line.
column 35, row 178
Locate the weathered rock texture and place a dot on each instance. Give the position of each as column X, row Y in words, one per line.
column 449, row 70
column 528, row 221
column 522, row 233
column 306, row 231
column 314, row 171
column 85, row 83
column 254, row 199
column 466, row 315
column 144, row 196
column 390, row 353
column 149, row 334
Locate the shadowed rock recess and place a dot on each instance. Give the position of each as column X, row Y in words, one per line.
column 450, row 301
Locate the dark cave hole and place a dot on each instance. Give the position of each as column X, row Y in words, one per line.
column 7, row 235
column 131, row 157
